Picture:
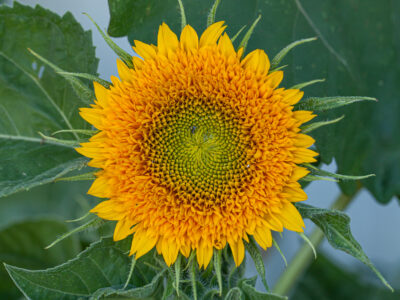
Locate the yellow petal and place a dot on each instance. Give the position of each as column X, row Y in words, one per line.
column 274, row 79
column 166, row 40
column 212, row 34
column 294, row 193
column 185, row 250
column 101, row 94
column 303, row 116
column 142, row 243
column 225, row 46
column 237, row 251
column 302, row 155
column 123, row 71
column 122, row 229
column 100, row 188
column 257, row 61
column 108, row 210
column 189, row 38
column 263, row 237
column 144, row 50
column 303, row 140
column 93, row 115
column 170, row 251
column 293, row 96
column 298, row 173
column 291, row 218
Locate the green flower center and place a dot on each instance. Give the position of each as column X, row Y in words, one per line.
column 199, row 149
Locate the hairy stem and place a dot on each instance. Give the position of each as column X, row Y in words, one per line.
column 304, row 256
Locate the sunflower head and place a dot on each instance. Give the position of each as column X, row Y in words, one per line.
column 197, row 147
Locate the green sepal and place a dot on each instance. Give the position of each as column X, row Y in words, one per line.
column 218, row 268
column 276, row 245
column 92, row 224
column 87, row 132
column 177, row 272
column 307, row 240
column 336, row 227
column 132, row 267
column 238, row 33
column 80, row 177
column 246, row 38
column 248, row 288
column 182, row 13
column 320, row 172
column 192, row 274
column 326, row 103
column 278, row 58
column 212, row 13
column 302, row 85
column 310, row 178
column 255, row 254
column 124, row 56
column 81, row 90
column 234, row 294
column 68, row 143
column 312, row 126
column 90, row 77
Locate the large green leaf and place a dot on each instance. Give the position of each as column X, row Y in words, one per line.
column 22, row 244
column 33, row 98
column 100, row 270
column 336, row 227
column 326, row 280
column 356, row 53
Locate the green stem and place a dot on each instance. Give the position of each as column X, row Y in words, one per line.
column 305, row 255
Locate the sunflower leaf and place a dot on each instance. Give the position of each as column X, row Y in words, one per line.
column 22, row 243
column 326, row 103
column 336, row 227
column 33, row 97
column 100, row 270
column 255, row 254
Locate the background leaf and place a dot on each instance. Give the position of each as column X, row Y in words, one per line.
column 33, row 98
column 336, row 227
column 22, row 244
column 356, row 51
column 326, row 280
column 105, row 264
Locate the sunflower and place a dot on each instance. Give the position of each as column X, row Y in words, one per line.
column 197, row 147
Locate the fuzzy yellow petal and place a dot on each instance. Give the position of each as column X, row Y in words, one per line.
column 100, row 188
column 212, row 34
column 166, row 40
column 303, row 116
column 189, row 38
column 274, row 79
column 93, row 115
column 142, row 243
column 257, row 61
column 298, row 173
column 303, row 140
column 291, row 218
column 101, row 94
column 292, row 96
column 123, row 71
column 122, row 229
column 263, row 237
column 225, row 46
column 145, row 51
column 108, row 210
column 238, row 251
column 302, row 155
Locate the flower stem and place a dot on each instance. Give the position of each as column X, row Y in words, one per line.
column 305, row 255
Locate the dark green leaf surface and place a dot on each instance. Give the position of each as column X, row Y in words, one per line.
column 101, row 270
column 336, row 227
column 248, row 288
column 33, row 98
column 357, row 52
column 326, row 280
column 22, row 244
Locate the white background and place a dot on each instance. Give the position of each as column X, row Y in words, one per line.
column 374, row 226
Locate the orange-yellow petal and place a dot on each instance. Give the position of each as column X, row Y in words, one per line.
column 257, row 61
column 189, row 38
column 166, row 40
column 225, row 46
column 122, row 229
column 291, row 218
column 212, row 34
column 145, row 51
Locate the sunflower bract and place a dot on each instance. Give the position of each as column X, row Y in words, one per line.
column 198, row 147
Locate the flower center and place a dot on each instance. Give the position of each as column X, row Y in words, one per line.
column 199, row 149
